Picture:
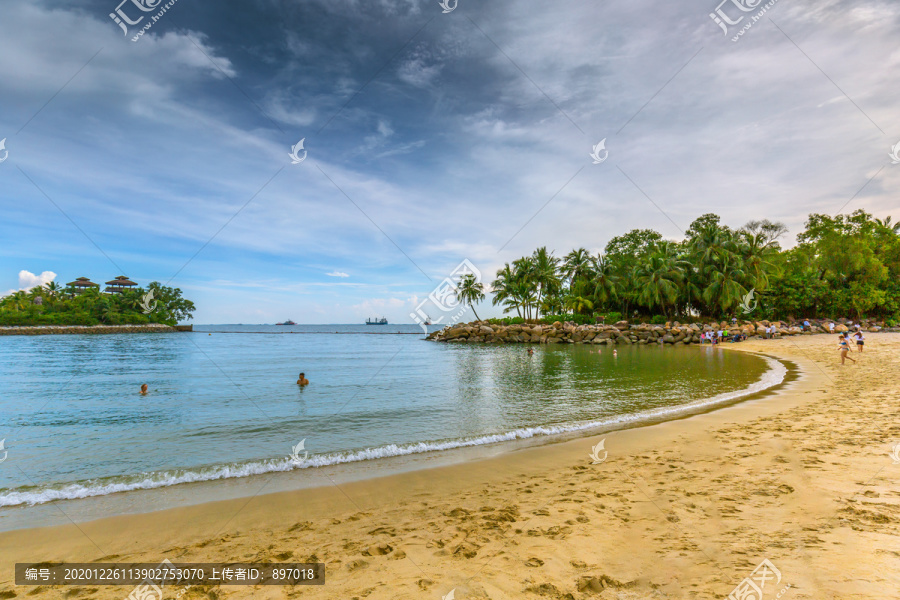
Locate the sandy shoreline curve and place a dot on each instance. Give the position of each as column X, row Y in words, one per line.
column 681, row 509
column 418, row 454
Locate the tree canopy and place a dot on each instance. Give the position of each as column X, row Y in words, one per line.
column 847, row 265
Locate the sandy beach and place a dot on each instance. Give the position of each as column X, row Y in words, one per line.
column 684, row 509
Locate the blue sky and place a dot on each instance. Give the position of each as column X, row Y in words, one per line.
column 431, row 138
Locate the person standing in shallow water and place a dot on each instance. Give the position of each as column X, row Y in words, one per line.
column 303, row 380
column 144, row 390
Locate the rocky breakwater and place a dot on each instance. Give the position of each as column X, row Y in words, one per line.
column 621, row 333
column 95, row 329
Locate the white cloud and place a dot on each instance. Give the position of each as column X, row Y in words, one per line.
column 337, row 274
column 28, row 280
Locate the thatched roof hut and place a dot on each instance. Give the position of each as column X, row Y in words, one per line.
column 119, row 285
column 81, row 284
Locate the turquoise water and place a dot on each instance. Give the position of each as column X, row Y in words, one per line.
column 226, row 405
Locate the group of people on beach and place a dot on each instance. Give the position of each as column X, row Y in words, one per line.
column 717, row 337
column 844, row 343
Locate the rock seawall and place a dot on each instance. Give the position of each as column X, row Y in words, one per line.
column 92, row 329
column 623, row 332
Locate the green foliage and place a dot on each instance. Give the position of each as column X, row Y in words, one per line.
column 848, row 265
column 65, row 307
column 658, row 320
column 574, row 318
column 507, row 321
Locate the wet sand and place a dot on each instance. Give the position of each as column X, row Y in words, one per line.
column 684, row 509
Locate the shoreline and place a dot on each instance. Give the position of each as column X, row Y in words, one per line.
column 92, row 329
column 683, row 508
column 370, row 462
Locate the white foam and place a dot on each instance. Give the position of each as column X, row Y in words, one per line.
column 145, row 481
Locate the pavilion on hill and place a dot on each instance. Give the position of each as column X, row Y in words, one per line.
column 119, row 285
column 81, row 284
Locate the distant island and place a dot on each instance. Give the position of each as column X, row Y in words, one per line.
column 81, row 302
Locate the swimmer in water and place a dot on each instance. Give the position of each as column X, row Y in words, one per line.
column 144, row 390
column 615, row 353
column 303, row 380
column 531, row 352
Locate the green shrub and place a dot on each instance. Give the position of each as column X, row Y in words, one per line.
column 577, row 319
column 658, row 320
column 507, row 321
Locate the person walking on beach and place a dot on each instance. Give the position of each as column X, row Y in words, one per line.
column 860, row 340
column 144, row 390
column 844, row 347
column 831, row 328
column 303, row 380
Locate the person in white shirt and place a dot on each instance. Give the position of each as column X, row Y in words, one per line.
column 860, row 340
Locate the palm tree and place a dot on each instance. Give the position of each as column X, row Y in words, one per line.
column 526, row 286
column 504, row 290
column 606, row 282
column 18, row 300
column 725, row 290
column 886, row 223
column 577, row 304
column 576, row 264
column 755, row 252
column 545, row 273
column 658, row 277
column 470, row 292
column 52, row 288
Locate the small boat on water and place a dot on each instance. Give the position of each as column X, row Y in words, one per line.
column 288, row 322
column 381, row 321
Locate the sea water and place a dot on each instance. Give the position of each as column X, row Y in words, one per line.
column 226, row 406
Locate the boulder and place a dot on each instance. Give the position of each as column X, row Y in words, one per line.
column 456, row 333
